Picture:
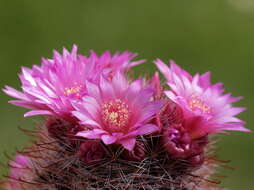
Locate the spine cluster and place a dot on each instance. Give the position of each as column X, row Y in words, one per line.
column 58, row 160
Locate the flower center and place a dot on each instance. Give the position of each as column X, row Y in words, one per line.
column 197, row 103
column 115, row 115
column 73, row 91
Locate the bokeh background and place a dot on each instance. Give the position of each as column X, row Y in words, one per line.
column 200, row 35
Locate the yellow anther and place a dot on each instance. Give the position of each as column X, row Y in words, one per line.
column 72, row 90
column 197, row 103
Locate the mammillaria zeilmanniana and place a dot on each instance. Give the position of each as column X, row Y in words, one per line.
column 106, row 130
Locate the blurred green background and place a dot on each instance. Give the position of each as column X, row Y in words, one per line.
column 200, row 35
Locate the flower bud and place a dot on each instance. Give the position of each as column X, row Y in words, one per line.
column 91, row 152
column 57, row 128
column 137, row 154
column 19, row 171
column 170, row 114
column 180, row 145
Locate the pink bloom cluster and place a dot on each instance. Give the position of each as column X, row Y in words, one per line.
column 49, row 89
column 109, row 108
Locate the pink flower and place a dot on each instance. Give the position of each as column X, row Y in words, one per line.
column 206, row 109
column 19, row 169
column 117, row 111
column 48, row 89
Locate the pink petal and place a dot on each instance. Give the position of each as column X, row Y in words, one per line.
column 164, row 69
column 129, row 144
column 150, row 110
column 234, row 127
column 90, row 134
column 91, row 106
column 27, row 104
column 106, row 89
column 205, row 80
column 99, row 131
column 147, row 129
column 108, row 139
column 134, row 89
column 119, row 82
column 14, row 93
column 135, row 63
column 85, row 120
column 143, row 96
column 93, row 90
column 178, row 70
column 237, row 110
column 37, row 112
column 27, row 76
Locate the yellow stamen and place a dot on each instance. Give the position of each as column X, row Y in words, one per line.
column 197, row 103
column 115, row 115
